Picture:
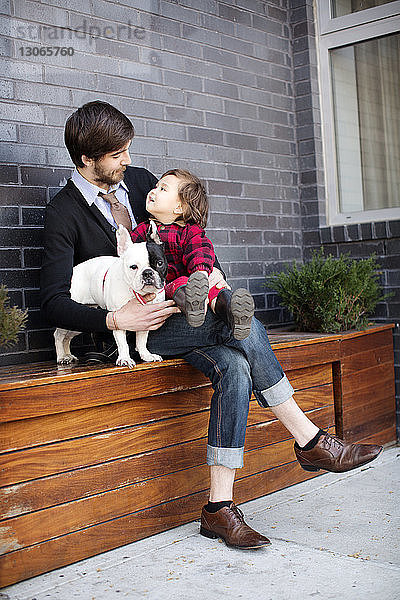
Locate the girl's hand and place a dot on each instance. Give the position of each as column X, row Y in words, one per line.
column 217, row 279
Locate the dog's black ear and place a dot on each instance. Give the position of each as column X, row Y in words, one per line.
column 152, row 234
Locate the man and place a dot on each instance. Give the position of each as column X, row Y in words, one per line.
column 80, row 224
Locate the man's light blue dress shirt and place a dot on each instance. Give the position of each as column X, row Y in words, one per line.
column 90, row 192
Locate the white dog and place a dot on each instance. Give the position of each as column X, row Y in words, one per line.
column 109, row 282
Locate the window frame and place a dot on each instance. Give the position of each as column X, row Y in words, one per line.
column 334, row 33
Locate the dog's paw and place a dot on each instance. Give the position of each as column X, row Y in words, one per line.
column 148, row 357
column 125, row 362
column 67, row 359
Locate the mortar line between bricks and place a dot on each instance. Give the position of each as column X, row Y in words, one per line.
column 383, row 565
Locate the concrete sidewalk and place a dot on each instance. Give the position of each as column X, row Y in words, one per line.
column 334, row 537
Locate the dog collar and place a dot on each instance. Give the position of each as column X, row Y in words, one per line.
column 104, row 278
column 140, row 298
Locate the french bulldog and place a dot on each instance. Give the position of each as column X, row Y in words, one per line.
column 110, row 282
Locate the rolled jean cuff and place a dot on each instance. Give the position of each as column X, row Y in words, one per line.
column 226, row 457
column 276, row 394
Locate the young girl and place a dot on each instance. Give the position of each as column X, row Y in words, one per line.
column 179, row 205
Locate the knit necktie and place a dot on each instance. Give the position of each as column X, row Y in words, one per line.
column 119, row 211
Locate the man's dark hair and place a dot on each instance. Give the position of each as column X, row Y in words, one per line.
column 96, row 129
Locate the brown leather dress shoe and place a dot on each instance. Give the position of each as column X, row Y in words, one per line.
column 228, row 524
column 333, row 454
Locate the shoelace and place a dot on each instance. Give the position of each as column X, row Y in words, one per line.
column 331, row 441
column 238, row 513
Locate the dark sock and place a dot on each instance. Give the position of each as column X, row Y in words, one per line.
column 312, row 442
column 213, row 507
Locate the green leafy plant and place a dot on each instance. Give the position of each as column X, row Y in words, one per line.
column 329, row 295
column 12, row 319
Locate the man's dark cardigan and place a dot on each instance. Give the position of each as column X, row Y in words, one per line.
column 75, row 232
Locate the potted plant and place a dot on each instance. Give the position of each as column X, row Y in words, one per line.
column 329, row 295
column 331, row 300
column 12, row 320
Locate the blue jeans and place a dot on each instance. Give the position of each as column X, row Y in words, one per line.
column 235, row 369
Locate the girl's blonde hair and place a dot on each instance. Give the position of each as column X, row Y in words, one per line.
column 193, row 196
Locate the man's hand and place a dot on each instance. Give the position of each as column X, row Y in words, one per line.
column 216, row 278
column 134, row 316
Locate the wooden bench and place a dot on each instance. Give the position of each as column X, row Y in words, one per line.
column 96, row 457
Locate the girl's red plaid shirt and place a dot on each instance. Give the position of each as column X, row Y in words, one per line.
column 186, row 246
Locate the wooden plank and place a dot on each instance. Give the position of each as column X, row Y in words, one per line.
column 39, row 526
column 374, row 391
column 308, row 399
column 64, row 397
column 49, row 491
column 314, row 354
column 37, row 431
column 367, row 409
column 385, row 436
column 308, row 377
column 273, row 432
column 363, row 379
column 337, row 394
column 64, row 550
column 87, row 481
column 374, row 340
column 53, row 428
column 362, row 430
column 367, row 379
column 32, row 463
column 284, row 337
column 354, row 363
column 315, row 397
column 13, row 376
column 67, row 549
column 83, row 393
column 374, row 416
column 266, row 482
column 34, row 374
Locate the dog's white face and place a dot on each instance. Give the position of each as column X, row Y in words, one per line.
column 144, row 263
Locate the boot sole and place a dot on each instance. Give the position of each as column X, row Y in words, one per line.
column 196, row 292
column 214, row 536
column 242, row 308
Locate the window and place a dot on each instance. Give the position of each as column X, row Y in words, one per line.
column 360, row 103
column 346, row 7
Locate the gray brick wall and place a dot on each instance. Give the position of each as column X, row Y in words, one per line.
column 209, row 87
